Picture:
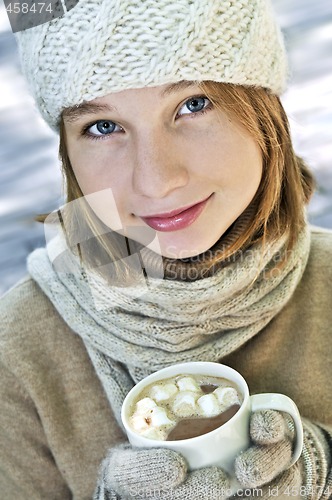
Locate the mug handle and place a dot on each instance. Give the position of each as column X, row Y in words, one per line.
column 280, row 402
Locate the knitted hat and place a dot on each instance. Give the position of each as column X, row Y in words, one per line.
column 104, row 46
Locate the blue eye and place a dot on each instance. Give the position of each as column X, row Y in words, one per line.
column 102, row 127
column 194, row 105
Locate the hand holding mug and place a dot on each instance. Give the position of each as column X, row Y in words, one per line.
column 249, row 450
column 222, row 445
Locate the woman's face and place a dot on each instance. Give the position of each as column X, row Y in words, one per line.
column 173, row 162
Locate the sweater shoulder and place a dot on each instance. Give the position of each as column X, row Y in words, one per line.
column 27, row 317
column 24, row 304
column 313, row 293
column 321, row 250
column 322, row 235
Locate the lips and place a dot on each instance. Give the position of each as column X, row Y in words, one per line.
column 177, row 219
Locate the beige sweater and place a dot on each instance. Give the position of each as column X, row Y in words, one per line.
column 55, row 421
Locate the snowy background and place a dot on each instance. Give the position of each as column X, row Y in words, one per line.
column 30, row 180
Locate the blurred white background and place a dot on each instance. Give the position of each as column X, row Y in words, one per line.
column 30, row 179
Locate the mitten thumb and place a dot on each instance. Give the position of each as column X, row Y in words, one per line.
column 127, row 469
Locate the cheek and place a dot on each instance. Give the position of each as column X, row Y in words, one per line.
column 247, row 168
column 82, row 164
column 97, row 174
column 96, row 169
column 100, row 190
column 224, row 154
column 238, row 163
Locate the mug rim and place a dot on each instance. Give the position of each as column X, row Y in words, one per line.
column 146, row 380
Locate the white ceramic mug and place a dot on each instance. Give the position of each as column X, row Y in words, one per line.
column 221, row 446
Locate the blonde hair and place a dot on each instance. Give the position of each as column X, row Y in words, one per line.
column 286, row 185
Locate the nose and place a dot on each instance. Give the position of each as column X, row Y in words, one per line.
column 159, row 167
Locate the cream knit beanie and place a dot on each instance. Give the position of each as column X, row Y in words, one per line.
column 104, row 46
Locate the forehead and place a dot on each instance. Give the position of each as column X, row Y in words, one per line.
column 73, row 113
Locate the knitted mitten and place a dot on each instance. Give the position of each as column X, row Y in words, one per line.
column 156, row 473
column 264, row 465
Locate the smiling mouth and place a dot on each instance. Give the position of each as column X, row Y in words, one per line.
column 177, row 219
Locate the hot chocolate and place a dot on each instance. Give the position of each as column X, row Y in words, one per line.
column 184, row 407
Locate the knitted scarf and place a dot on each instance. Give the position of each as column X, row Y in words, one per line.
column 132, row 331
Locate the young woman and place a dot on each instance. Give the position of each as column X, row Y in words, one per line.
column 184, row 237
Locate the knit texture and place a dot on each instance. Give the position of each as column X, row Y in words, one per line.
column 266, row 461
column 270, row 454
column 286, row 485
column 162, row 473
column 130, row 332
column 104, row 46
column 157, row 474
column 317, row 461
column 49, row 386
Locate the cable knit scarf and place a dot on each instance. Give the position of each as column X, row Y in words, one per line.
column 130, row 332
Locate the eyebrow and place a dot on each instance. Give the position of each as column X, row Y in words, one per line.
column 176, row 87
column 74, row 113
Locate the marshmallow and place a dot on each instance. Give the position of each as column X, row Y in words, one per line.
column 140, row 423
column 188, row 384
column 183, row 398
column 148, row 417
column 157, row 434
column 227, row 396
column 163, row 392
column 159, row 417
column 184, row 404
column 209, row 405
column 144, row 405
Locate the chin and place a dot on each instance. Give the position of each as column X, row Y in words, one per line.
column 184, row 244
column 177, row 251
column 173, row 253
